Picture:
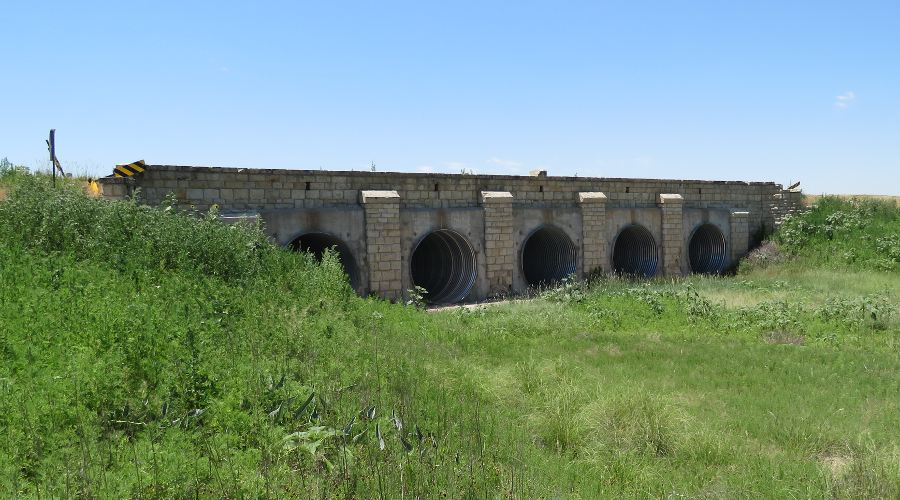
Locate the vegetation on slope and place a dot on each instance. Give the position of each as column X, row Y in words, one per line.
column 856, row 234
column 151, row 353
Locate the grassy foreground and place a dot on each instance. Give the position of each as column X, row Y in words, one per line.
column 145, row 353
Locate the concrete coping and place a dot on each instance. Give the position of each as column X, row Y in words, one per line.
column 379, row 196
column 496, row 197
column 665, row 198
column 592, row 197
column 432, row 175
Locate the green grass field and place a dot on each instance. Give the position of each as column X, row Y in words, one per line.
column 147, row 353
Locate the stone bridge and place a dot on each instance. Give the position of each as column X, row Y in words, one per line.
column 469, row 237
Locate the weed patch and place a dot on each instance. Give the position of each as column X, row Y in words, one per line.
column 641, row 424
column 863, row 473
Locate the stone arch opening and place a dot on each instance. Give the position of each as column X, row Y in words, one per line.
column 318, row 243
column 443, row 263
column 548, row 256
column 635, row 252
column 706, row 250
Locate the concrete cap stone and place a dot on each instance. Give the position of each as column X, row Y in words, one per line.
column 670, row 198
column 592, row 197
column 496, row 196
column 232, row 217
column 379, row 196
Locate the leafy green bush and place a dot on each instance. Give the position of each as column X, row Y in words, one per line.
column 128, row 236
column 9, row 170
column 872, row 311
column 857, row 234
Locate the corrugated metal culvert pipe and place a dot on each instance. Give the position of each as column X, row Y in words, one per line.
column 317, row 243
column 707, row 250
column 635, row 252
column 443, row 263
column 548, row 256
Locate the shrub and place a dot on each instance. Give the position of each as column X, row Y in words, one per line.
column 859, row 234
column 9, row 170
column 128, row 236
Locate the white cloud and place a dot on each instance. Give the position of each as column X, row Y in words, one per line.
column 844, row 100
column 446, row 167
column 505, row 163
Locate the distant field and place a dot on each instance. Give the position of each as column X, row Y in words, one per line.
column 811, row 199
column 149, row 354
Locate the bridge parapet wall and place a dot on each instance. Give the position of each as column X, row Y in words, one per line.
column 267, row 189
column 500, row 212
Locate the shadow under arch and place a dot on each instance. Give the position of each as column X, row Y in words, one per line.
column 317, row 243
column 443, row 263
column 548, row 256
column 707, row 250
column 635, row 252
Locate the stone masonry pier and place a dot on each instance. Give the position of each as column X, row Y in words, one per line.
column 470, row 237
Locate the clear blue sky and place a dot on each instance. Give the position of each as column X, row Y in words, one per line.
column 750, row 90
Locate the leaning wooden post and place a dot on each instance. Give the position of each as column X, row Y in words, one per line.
column 52, row 144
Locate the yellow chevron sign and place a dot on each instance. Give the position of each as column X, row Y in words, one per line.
column 130, row 169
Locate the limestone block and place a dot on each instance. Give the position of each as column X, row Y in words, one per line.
column 377, row 196
column 496, row 197
column 592, row 197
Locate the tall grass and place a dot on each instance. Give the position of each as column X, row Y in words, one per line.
column 127, row 235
